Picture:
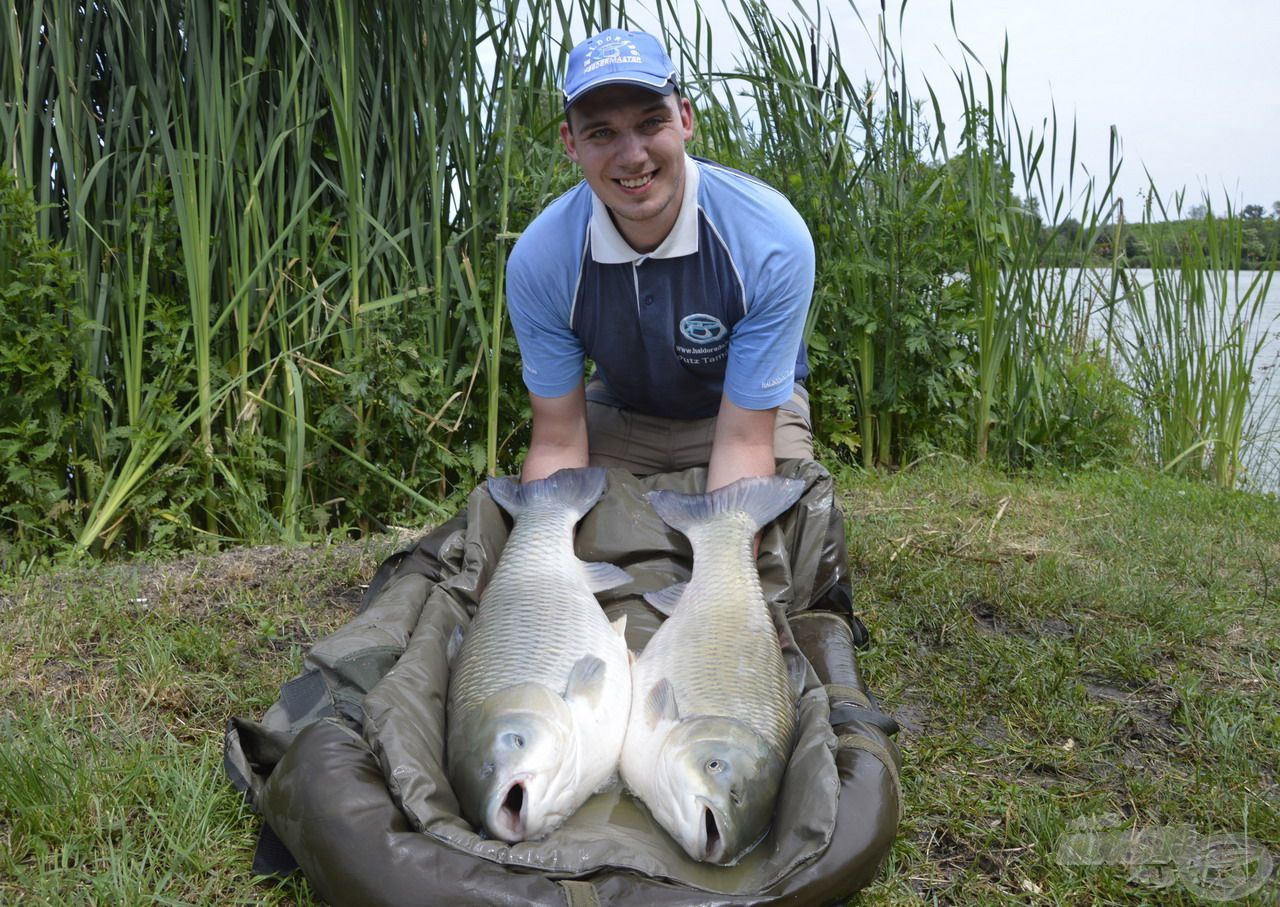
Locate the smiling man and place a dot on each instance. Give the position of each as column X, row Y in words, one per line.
column 686, row 282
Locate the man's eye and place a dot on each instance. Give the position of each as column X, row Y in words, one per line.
column 599, row 134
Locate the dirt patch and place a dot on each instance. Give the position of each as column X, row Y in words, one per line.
column 1057, row 628
column 1144, row 712
column 913, row 717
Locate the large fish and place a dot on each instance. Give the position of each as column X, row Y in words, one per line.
column 540, row 684
column 713, row 710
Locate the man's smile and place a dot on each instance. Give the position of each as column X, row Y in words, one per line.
column 637, row 182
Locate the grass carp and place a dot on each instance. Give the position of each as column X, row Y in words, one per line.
column 540, row 684
column 713, row 711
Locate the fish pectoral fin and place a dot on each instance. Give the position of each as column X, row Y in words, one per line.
column 665, row 600
column 620, row 626
column 602, row 576
column 455, row 643
column 660, row 704
column 586, row 680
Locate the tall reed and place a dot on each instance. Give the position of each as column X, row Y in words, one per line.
column 317, row 187
column 1192, row 339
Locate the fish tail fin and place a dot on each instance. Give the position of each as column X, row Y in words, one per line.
column 576, row 490
column 761, row 498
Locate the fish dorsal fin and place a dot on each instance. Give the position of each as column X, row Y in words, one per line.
column 586, row 680
column 620, row 626
column 455, row 643
column 665, row 600
column 660, row 704
column 602, row 576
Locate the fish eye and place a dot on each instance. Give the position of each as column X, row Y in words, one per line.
column 515, row 741
column 715, row 766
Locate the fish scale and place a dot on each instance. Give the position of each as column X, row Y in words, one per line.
column 522, row 622
column 733, row 641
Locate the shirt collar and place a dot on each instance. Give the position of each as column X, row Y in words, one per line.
column 608, row 247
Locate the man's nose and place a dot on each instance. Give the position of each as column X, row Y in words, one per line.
column 631, row 148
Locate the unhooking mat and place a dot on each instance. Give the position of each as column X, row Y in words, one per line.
column 347, row 767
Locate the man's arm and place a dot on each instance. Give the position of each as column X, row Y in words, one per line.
column 559, row 434
column 743, row 444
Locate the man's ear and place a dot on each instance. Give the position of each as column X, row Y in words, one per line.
column 570, row 145
column 686, row 118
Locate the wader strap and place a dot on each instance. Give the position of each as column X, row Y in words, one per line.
column 844, row 713
column 580, row 894
column 306, row 699
column 839, row 692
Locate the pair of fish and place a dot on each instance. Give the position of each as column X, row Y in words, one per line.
column 544, row 705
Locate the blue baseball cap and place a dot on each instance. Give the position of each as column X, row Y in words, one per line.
column 618, row 57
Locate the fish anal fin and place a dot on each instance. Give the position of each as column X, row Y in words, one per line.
column 665, row 600
column 660, row 704
column 601, row 576
column 586, row 680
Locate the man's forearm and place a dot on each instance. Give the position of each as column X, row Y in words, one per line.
column 559, row 439
column 743, row 445
column 544, row 459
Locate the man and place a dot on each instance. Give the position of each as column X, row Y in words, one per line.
column 687, row 284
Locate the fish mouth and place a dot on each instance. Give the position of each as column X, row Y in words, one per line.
column 510, row 819
column 710, row 835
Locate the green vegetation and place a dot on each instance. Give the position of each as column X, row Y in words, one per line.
column 1057, row 649
column 252, row 262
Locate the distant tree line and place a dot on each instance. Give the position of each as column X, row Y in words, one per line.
column 1140, row 243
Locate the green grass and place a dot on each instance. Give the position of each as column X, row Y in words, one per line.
column 1061, row 649
column 1057, row 649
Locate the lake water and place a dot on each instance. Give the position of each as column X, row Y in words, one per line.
column 1262, row 456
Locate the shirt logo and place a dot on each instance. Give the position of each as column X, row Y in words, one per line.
column 610, row 50
column 699, row 328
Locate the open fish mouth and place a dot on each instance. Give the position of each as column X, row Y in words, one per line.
column 510, row 820
column 711, row 844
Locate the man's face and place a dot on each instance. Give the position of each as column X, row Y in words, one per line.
column 630, row 145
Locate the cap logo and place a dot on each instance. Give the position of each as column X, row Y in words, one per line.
column 610, row 51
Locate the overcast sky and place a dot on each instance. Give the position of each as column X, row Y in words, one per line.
column 1192, row 87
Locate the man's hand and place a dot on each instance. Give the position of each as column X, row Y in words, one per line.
column 559, row 437
column 743, row 444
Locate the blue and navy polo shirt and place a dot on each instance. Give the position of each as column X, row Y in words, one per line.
column 719, row 307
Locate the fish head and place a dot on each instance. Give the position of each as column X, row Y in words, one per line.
column 718, row 780
column 512, row 766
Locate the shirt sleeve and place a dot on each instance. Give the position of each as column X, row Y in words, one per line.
column 765, row 344
column 540, row 291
